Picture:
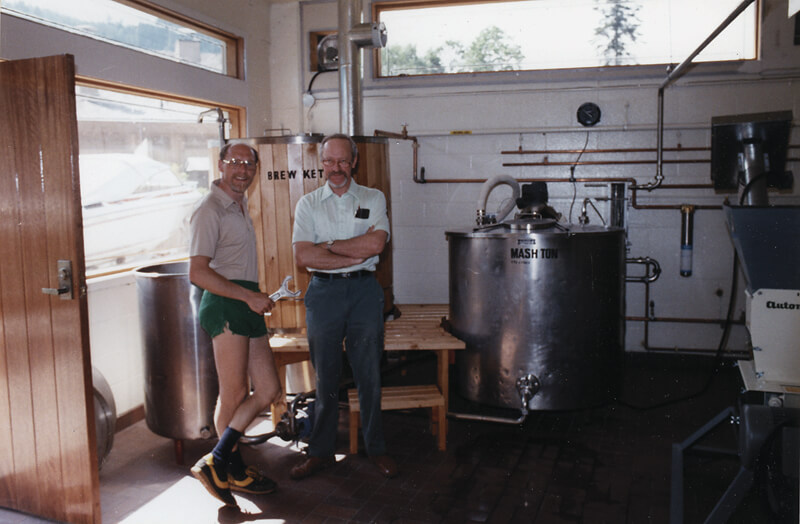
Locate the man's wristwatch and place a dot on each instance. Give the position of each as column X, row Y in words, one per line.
column 329, row 244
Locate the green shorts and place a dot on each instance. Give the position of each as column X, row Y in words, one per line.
column 217, row 313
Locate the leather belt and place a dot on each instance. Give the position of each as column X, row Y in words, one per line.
column 350, row 274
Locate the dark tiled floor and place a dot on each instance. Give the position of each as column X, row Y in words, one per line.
column 605, row 465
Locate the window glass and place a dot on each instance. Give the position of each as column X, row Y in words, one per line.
column 144, row 163
column 128, row 27
column 444, row 37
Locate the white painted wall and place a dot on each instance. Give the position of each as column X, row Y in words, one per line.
column 115, row 338
column 537, row 111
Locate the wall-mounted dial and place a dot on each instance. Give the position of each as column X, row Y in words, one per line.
column 588, row 114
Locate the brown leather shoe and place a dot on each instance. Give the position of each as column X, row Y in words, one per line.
column 310, row 466
column 385, row 464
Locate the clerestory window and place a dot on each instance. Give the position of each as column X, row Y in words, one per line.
column 138, row 25
column 145, row 161
column 439, row 37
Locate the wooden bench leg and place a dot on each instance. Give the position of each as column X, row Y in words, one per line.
column 354, row 420
column 435, row 421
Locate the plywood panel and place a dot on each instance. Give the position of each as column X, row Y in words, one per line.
column 266, row 241
column 373, row 171
column 46, row 372
column 254, row 206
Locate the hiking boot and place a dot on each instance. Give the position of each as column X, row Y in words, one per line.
column 251, row 481
column 214, row 478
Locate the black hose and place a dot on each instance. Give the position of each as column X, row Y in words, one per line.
column 749, row 186
column 717, row 356
column 314, row 77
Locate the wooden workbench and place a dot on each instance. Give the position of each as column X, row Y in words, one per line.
column 417, row 329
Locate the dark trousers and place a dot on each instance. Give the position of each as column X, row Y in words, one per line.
column 349, row 310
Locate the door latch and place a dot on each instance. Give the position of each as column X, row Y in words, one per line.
column 64, row 289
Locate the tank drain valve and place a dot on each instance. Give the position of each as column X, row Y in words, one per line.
column 527, row 386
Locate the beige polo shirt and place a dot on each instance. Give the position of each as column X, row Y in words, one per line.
column 221, row 231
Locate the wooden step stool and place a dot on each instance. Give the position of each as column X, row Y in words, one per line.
column 403, row 397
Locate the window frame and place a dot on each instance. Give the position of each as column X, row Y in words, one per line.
column 516, row 77
column 236, row 114
column 236, row 119
column 234, row 45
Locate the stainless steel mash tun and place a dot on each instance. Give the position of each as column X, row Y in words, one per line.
column 539, row 303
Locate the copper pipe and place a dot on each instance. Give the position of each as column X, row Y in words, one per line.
column 679, row 320
column 521, row 151
column 593, row 151
column 527, row 180
column 687, row 186
column 631, row 181
column 403, row 135
column 603, row 163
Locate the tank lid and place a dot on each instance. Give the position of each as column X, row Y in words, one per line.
column 530, row 225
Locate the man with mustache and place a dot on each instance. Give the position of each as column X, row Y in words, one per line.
column 340, row 230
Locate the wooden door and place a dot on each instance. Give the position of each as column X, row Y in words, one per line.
column 49, row 461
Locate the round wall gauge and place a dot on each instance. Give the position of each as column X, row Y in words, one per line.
column 588, row 114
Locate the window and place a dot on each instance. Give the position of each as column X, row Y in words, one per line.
column 144, row 163
column 146, row 28
column 437, row 37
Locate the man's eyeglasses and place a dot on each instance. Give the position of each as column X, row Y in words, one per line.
column 341, row 163
column 247, row 164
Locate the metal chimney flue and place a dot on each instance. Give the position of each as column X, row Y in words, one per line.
column 353, row 35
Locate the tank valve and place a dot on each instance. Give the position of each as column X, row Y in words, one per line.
column 205, row 432
column 527, row 386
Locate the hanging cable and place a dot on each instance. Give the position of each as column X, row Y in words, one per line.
column 572, row 176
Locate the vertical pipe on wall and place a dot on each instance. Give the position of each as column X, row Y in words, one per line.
column 617, row 218
column 674, row 74
column 350, row 120
column 687, row 239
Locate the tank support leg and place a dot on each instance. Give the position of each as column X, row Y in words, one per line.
column 178, row 445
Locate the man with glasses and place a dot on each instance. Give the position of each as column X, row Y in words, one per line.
column 340, row 230
column 223, row 262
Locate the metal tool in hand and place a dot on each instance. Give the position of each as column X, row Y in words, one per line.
column 283, row 292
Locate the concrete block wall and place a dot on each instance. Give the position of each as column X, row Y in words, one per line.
column 538, row 112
